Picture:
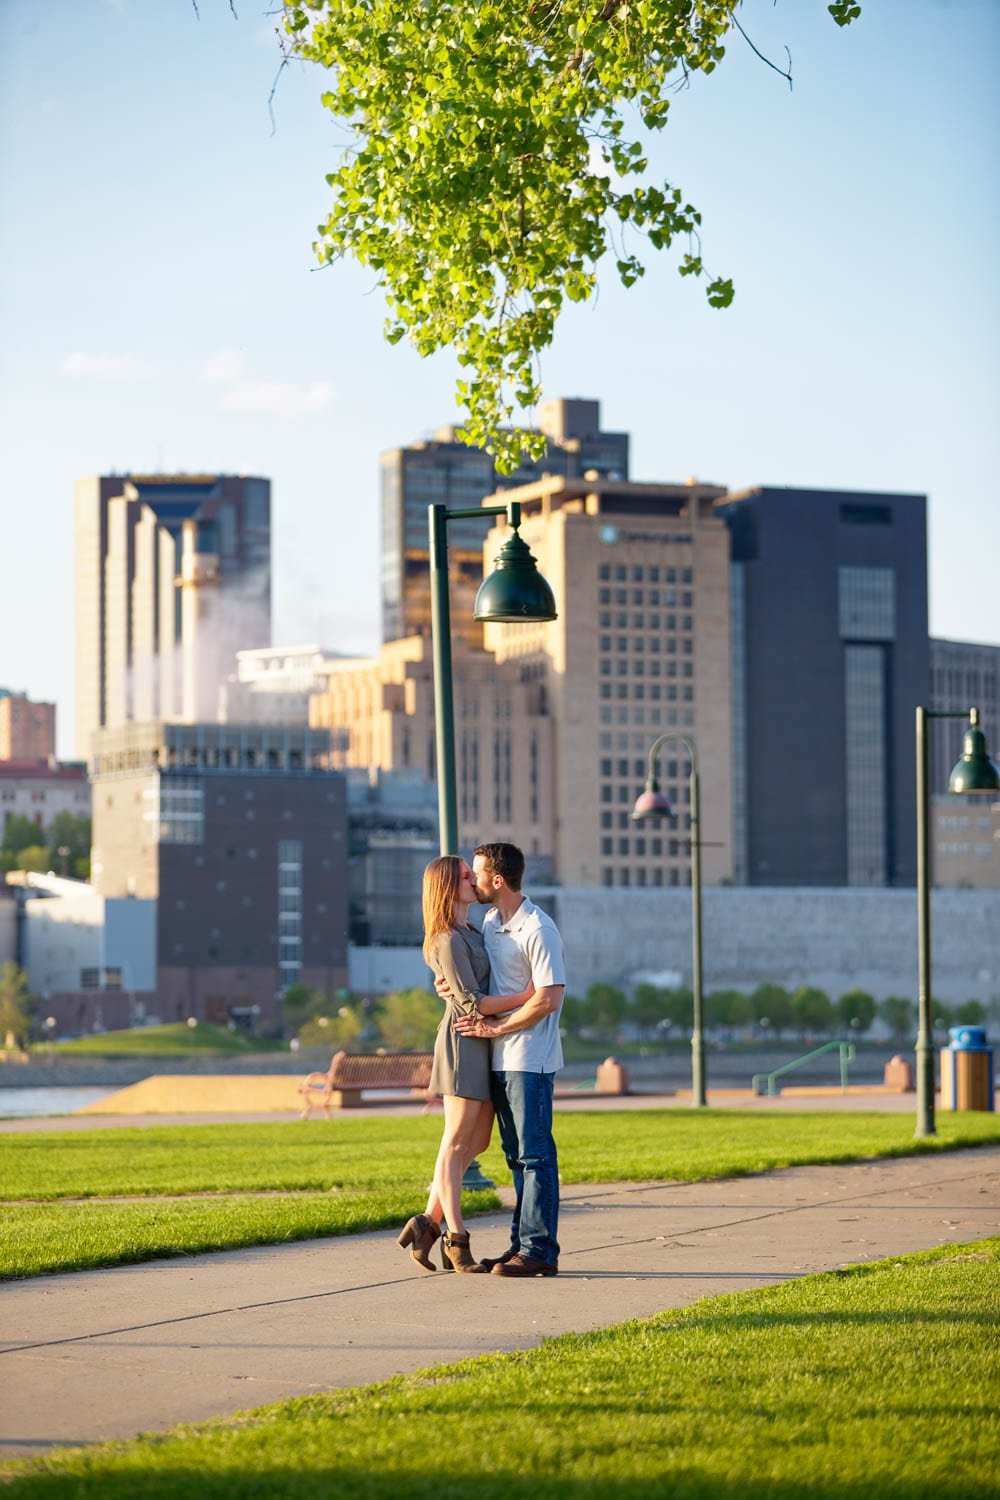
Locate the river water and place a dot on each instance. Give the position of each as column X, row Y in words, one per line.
column 20, row 1103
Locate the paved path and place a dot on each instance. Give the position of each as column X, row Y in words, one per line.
column 112, row 1353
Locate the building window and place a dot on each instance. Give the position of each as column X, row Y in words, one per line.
column 173, row 811
column 289, row 912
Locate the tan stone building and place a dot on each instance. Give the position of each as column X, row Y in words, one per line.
column 380, row 714
column 554, row 722
column 640, row 648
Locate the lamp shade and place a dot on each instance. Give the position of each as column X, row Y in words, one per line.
column 975, row 774
column 515, row 591
column 651, row 804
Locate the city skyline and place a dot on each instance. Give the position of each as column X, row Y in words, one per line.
column 162, row 312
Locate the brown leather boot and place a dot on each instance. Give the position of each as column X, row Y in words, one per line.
column 420, row 1234
column 456, row 1255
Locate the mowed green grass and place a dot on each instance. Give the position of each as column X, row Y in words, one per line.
column 181, row 1190
column 174, row 1040
column 876, row 1381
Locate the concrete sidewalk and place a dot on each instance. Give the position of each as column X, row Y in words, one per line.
column 112, row 1353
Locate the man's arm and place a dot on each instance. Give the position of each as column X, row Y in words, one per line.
column 542, row 1003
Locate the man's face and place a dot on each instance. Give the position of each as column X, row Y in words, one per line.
column 486, row 884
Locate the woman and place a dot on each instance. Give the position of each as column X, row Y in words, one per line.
column 461, row 1069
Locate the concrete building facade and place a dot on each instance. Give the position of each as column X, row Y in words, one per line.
column 641, row 648
column 172, row 577
column 27, row 729
column 830, row 659
column 239, row 835
column 446, row 471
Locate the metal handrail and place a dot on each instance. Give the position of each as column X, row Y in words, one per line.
column 847, row 1055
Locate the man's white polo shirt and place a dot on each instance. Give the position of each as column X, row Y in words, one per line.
column 528, row 947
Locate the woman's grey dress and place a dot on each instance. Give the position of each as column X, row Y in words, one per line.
column 461, row 1063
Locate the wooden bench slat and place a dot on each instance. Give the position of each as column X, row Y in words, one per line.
column 350, row 1072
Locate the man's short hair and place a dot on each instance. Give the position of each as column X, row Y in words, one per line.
column 503, row 859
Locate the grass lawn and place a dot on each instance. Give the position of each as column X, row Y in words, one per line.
column 176, row 1040
column 79, row 1199
column 875, row 1381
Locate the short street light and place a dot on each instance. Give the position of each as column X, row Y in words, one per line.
column 514, row 592
column 974, row 775
column 652, row 805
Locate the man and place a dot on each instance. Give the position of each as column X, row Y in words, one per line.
column 524, row 947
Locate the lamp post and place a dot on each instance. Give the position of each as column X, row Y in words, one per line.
column 651, row 805
column 515, row 591
column 974, row 775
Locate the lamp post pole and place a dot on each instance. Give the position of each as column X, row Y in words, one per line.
column 652, row 804
column 974, row 774
column 438, row 517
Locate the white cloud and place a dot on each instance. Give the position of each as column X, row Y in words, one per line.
column 269, row 398
column 105, row 366
column 228, row 364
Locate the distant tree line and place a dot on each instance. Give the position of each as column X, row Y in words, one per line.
column 407, row 1019
column 63, row 847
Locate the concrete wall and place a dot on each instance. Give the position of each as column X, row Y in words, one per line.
column 837, row 939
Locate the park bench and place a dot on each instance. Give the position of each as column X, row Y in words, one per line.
column 351, row 1072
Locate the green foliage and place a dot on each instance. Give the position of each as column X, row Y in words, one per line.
column 969, row 1013
column 33, row 857
column 408, row 1019
column 728, row 1008
column 72, row 834
column 898, row 1015
column 647, row 1007
column 856, row 1011
column 16, row 1005
column 338, row 1031
column 772, row 1006
column 497, row 157
column 605, row 1007
column 812, row 1009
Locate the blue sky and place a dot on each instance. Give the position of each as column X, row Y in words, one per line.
column 160, row 308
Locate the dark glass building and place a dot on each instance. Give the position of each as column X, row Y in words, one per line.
column 830, row 657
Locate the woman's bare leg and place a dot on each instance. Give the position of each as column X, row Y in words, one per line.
column 468, row 1124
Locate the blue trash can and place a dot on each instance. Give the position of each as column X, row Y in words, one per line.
column 967, row 1070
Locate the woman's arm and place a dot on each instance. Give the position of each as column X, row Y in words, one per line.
column 457, row 984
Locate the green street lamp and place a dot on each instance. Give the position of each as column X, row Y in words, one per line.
column 651, row 805
column 514, row 591
column 974, row 775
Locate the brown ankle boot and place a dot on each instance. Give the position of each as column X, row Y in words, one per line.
column 420, row 1233
column 456, row 1255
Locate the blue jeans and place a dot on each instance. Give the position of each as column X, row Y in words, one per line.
column 523, row 1104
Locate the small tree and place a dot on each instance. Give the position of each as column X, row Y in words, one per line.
column 969, row 1013
column 647, row 1008
column 605, row 1006
column 678, row 1007
column 408, row 1019
column 68, row 839
column 573, row 1013
column 812, row 1009
column 897, row 1013
column 300, row 1004
column 17, row 1005
column 340, row 1030
column 856, row 1011
column 33, row 857
column 772, row 1006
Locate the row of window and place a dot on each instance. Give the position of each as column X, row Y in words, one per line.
column 640, row 877
column 626, row 667
column 651, row 598
column 639, row 620
column 655, row 717
column 639, row 644
column 624, row 819
column 642, row 574
column 637, row 691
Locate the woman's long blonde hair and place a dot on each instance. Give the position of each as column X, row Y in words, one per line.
column 442, row 883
